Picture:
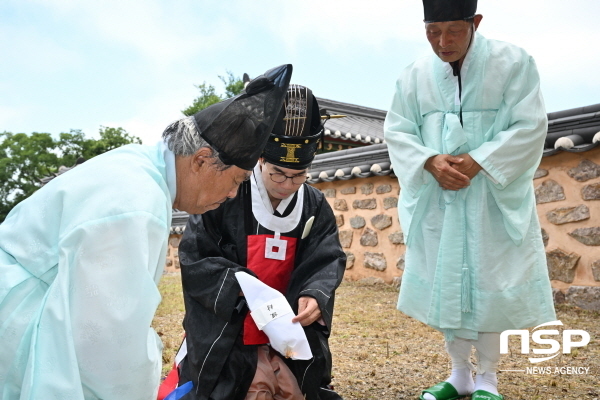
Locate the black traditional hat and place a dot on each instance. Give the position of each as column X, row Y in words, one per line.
column 295, row 137
column 448, row 10
column 239, row 127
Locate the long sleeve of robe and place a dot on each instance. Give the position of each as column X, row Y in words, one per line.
column 79, row 264
column 212, row 249
column 475, row 260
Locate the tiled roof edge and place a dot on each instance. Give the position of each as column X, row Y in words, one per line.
column 352, row 109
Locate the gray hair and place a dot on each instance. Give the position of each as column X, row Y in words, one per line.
column 183, row 139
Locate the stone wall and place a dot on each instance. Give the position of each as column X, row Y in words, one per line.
column 567, row 188
column 367, row 217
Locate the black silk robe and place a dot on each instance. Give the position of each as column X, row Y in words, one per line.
column 212, row 250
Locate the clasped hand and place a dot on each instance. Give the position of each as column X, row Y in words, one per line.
column 453, row 172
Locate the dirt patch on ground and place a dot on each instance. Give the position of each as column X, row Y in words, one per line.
column 380, row 353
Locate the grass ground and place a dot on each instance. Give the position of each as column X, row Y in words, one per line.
column 380, row 353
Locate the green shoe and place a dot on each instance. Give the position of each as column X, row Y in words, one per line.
column 442, row 391
column 485, row 395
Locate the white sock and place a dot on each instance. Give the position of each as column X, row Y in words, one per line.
column 487, row 381
column 462, row 380
column 461, row 377
column 488, row 357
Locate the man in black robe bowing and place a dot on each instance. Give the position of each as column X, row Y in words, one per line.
column 282, row 231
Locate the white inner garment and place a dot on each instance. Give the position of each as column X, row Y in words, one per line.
column 263, row 210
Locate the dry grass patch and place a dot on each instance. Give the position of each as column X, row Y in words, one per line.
column 380, row 353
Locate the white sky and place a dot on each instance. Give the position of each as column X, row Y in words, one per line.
column 77, row 64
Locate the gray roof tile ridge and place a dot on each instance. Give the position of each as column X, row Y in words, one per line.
column 353, row 109
column 574, row 111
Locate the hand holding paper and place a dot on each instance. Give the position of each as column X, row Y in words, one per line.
column 273, row 315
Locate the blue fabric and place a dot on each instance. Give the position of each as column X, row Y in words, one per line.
column 180, row 391
column 475, row 261
column 79, row 264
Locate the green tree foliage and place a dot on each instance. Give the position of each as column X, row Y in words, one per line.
column 26, row 159
column 208, row 93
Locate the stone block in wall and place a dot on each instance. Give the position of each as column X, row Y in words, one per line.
column 169, row 262
column 369, row 237
column 366, row 204
column 400, row 262
column 375, row 261
column 174, row 241
column 329, row 193
column 381, row 189
column 561, row 265
column 587, row 236
column 545, row 237
column 367, row 188
column 396, row 237
column 586, row 297
column 357, row 222
column 564, row 215
column 558, row 296
column 540, row 173
column 396, row 282
column 585, row 171
column 346, row 238
column 381, row 221
column 596, row 270
column 591, row 192
column 390, row 202
column 340, row 205
column 350, row 258
column 339, row 220
column 549, row 191
column 348, row 190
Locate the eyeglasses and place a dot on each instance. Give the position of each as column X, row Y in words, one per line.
column 278, row 177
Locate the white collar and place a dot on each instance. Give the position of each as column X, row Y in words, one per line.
column 263, row 209
column 170, row 169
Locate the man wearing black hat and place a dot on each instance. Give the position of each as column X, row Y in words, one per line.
column 465, row 134
column 283, row 232
column 80, row 258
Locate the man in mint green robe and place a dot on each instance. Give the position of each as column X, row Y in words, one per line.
column 80, row 259
column 475, row 261
column 79, row 271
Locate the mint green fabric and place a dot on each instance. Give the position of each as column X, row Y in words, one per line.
column 475, row 260
column 79, row 264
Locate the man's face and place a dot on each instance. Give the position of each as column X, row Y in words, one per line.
column 282, row 190
column 450, row 40
column 201, row 187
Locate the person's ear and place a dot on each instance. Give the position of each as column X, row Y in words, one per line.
column 201, row 158
column 476, row 20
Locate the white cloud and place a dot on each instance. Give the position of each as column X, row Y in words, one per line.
column 337, row 24
column 10, row 116
column 34, row 52
column 152, row 115
column 165, row 33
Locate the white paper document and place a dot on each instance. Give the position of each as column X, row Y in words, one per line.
column 273, row 315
